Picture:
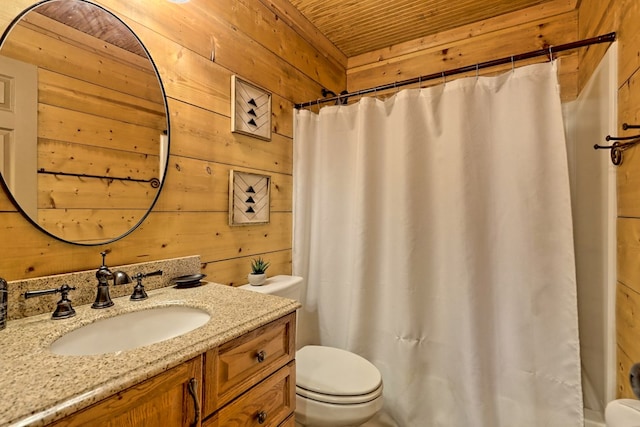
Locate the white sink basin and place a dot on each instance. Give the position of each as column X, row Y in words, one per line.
column 130, row 330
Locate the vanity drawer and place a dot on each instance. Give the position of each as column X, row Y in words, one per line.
column 268, row 404
column 239, row 364
column 289, row 422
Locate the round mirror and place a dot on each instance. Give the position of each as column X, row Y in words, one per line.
column 83, row 122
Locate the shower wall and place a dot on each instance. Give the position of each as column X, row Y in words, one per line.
column 587, row 121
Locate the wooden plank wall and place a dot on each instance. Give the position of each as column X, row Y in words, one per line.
column 103, row 105
column 197, row 47
column 537, row 27
column 622, row 16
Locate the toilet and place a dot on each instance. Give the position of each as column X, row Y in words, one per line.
column 622, row 413
column 334, row 387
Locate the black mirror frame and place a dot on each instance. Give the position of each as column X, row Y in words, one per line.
column 168, row 132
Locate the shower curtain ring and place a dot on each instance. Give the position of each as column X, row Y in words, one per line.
column 419, row 82
column 550, row 54
column 513, row 65
column 444, row 78
column 477, row 71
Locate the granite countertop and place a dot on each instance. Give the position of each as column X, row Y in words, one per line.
column 39, row 387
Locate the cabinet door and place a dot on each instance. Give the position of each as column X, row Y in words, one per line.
column 165, row 400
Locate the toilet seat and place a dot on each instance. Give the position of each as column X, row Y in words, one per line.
column 339, row 400
column 336, row 376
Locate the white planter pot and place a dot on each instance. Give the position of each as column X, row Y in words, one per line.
column 257, row 279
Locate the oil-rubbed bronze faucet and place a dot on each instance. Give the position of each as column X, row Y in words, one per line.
column 64, row 309
column 103, row 299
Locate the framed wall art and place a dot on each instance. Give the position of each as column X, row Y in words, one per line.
column 249, row 195
column 250, row 109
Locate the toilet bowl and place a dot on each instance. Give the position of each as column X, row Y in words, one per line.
column 334, row 387
column 623, row 413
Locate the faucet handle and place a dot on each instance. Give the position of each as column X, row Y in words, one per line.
column 138, row 291
column 64, row 309
column 153, row 273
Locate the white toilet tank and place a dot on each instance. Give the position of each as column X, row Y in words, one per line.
column 623, row 413
column 282, row 286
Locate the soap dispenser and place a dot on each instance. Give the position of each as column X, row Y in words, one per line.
column 3, row 303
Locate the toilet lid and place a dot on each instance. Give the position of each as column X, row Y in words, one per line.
column 334, row 372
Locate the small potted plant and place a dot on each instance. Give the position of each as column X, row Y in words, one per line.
column 258, row 273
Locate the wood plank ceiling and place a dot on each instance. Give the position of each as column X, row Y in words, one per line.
column 360, row 26
column 93, row 20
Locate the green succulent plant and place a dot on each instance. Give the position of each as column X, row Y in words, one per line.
column 259, row 266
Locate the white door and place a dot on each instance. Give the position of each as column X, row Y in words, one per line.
column 19, row 131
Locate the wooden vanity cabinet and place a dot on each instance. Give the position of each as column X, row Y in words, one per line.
column 164, row 400
column 289, row 422
column 249, row 381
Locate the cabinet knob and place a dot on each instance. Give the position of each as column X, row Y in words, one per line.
column 261, row 356
column 262, row 417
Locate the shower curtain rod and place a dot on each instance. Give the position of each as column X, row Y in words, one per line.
column 342, row 98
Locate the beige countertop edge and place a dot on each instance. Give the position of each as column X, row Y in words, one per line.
column 44, row 387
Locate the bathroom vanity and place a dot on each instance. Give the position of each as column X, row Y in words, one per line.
column 237, row 369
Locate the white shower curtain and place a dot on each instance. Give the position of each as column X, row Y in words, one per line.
column 434, row 232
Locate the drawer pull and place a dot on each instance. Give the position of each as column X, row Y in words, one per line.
column 261, row 356
column 262, row 417
column 193, row 391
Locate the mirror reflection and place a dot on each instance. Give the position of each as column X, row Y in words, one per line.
column 83, row 122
